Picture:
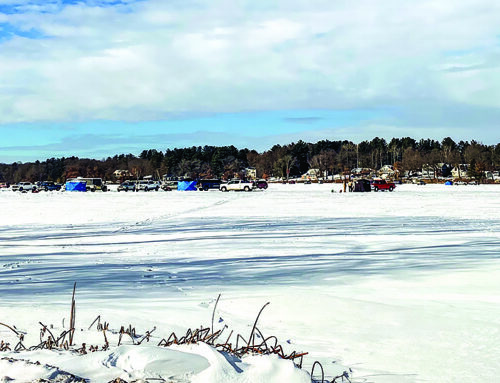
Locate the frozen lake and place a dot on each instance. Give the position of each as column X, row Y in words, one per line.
column 400, row 287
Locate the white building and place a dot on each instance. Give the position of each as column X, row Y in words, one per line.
column 121, row 173
column 313, row 175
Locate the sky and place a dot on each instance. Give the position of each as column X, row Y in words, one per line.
column 94, row 78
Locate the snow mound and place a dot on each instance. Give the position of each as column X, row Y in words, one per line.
column 178, row 364
column 19, row 370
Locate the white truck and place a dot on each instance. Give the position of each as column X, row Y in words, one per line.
column 237, row 185
column 24, row 186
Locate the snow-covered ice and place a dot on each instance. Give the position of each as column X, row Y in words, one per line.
column 399, row 287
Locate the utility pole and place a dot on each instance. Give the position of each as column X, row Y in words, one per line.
column 357, row 156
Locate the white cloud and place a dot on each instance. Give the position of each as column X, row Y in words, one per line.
column 148, row 59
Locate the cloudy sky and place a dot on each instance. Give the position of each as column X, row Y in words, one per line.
column 94, row 78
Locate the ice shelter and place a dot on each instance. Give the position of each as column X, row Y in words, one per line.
column 80, row 186
column 362, row 186
column 186, row 185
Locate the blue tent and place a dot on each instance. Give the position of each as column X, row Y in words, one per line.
column 80, row 186
column 448, row 183
column 186, row 185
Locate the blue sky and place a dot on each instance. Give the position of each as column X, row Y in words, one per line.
column 100, row 77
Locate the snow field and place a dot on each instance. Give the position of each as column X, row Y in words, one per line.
column 400, row 287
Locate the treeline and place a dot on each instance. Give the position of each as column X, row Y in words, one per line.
column 405, row 154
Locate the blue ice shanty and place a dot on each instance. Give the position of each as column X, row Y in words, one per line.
column 186, row 185
column 80, row 186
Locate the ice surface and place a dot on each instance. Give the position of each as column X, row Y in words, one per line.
column 400, row 287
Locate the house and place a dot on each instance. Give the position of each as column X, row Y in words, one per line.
column 427, row 171
column 121, row 173
column 313, row 175
column 460, row 171
column 386, row 171
column 362, row 172
column 250, row 173
column 438, row 170
column 488, row 175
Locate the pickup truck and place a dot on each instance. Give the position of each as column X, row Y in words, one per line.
column 24, row 186
column 208, row 184
column 237, row 185
column 383, row 185
column 49, row 186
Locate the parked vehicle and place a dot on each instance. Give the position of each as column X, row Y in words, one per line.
column 383, row 185
column 4, row 185
column 24, row 186
column 260, row 184
column 92, row 184
column 206, row 185
column 169, row 186
column 147, row 185
column 237, row 185
column 126, row 186
column 49, row 186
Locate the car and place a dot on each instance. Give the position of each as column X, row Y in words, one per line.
column 237, row 185
column 24, row 186
column 206, row 185
column 383, row 185
column 126, row 186
column 147, row 185
column 260, row 184
column 4, row 185
column 169, row 184
column 49, row 186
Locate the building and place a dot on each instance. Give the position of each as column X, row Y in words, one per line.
column 121, row 173
column 250, row 173
column 387, row 171
column 313, row 175
column 460, row 171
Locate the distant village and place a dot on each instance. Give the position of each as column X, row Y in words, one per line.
column 431, row 174
column 399, row 160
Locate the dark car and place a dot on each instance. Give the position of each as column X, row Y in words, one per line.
column 260, row 184
column 206, row 185
column 49, row 186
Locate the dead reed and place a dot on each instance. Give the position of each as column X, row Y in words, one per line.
column 235, row 344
